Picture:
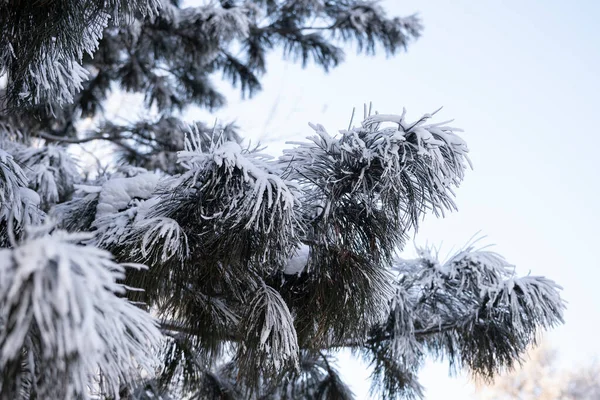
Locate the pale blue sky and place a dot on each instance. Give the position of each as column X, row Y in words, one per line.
column 521, row 78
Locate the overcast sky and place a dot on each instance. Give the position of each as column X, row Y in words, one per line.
column 521, row 78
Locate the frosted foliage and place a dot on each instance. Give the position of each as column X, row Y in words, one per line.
column 267, row 264
column 361, row 18
column 404, row 342
column 469, row 309
column 269, row 331
column 50, row 69
column 58, row 79
column 112, row 228
column 62, row 298
column 225, row 23
column 468, row 269
column 399, row 171
column 50, row 170
column 117, row 193
column 12, row 178
column 118, row 202
column 245, row 189
column 162, row 233
column 470, row 290
column 269, row 191
column 30, row 196
column 15, row 199
column 43, row 179
column 533, row 299
column 459, row 275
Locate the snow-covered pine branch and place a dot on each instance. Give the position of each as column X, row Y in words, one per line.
column 63, row 316
column 390, row 174
column 12, row 180
column 51, row 172
column 161, row 239
column 511, row 318
column 251, row 261
column 228, row 189
column 118, row 203
column 360, row 194
column 394, row 350
column 79, row 213
column 107, row 204
column 269, row 264
column 337, row 279
column 43, row 50
column 18, row 203
column 76, row 54
column 470, row 309
column 269, row 343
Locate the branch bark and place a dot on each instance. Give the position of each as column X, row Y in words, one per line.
column 113, row 139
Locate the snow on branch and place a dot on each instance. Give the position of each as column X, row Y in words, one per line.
column 161, row 237
column 533, row 302
column 118, row 201
column 50, row 170
column 16, row 200
column 270, row 343
column 269, row 191
column 79, row 213
column 508, row 321
column 12, row 179
column 117, row 193
column 63, row 314
column 42, row 51
column 402, row 170
column 226, row 188
column 403, row 341
column 473, row 309
column 395, row 351
column 468, row 271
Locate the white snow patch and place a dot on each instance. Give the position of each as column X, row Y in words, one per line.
column 30, row 195
column 117, row 193
column 298, row 262
column 88, row 189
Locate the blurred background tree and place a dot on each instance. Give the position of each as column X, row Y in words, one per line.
column 543, row 377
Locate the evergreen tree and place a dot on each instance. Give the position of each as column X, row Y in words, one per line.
column 253, row 271
column 171, row 57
